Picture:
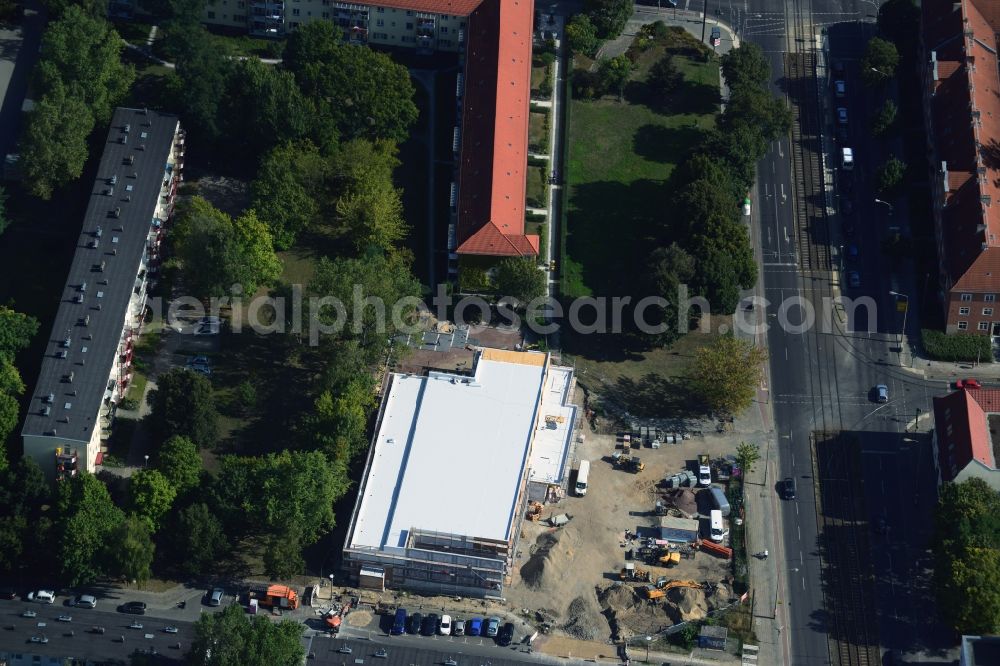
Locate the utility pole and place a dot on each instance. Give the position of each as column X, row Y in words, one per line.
column 704, row 19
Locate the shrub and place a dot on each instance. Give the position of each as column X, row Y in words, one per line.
column 473, row 280
column 940, row 346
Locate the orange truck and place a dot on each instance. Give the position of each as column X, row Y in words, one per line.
column 279, row 596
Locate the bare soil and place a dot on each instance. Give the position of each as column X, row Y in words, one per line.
column 570, row 575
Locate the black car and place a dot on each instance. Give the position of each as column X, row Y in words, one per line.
column 133, row 608
column 506, row 635
column 413, row 627
column 430, row 625
column 788, row 488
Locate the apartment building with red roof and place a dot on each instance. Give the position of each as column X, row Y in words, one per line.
column 962, row 116
column 495, row 38
column 964, row 442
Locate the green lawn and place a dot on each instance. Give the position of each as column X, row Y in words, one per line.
column 536, row 187
column 538, row 133
column 620, row 154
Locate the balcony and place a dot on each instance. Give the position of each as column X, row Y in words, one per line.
column 67, row 463
column 267, row 4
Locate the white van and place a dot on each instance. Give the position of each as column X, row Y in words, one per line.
column 582, row 475
column 717, row 532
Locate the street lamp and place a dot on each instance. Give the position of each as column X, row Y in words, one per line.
column 147, row 460
column 649, row 639
column 885, row 203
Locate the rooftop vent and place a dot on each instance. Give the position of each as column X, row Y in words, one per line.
column 78, row 298
column 50, row 398
column 127, row 128
column 113, row 180
column 68, row 378
column 98, row 231
column 83, row 287
column 67, row 342
column 123, row 139
column 46, row 410
column 61, row 353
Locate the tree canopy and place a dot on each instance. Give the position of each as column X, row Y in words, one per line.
column 183, row 404
column 726, row 373
column 226, row 251
column 745, row 66
column 131, row 557
column 615, row 73
column 198, row 540
column 521, row 278
column 233, row 637
column 609, row 16
column 88, row 519
column 180, row 463
column 289, row 190
column 878, row 64
column 581, row 35
column 364, row 92
column 151, row 496
column 967, row 556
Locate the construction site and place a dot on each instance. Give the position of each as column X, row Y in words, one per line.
column 637, row 553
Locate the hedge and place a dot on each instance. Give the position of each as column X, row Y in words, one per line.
column 940, row 346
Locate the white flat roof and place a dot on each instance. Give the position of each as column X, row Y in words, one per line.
column 450, row 452
column 555, row 427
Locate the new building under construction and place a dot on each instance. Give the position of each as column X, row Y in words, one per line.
column 447, row 477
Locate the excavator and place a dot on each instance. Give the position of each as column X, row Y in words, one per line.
column 663, row 586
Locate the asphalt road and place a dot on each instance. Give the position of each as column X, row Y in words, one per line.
column 409, row 650
column 16, row 632
column 822, row 379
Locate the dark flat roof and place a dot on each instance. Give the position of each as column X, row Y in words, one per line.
column 103, row 294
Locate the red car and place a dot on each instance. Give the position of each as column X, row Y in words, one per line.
column 968, row 384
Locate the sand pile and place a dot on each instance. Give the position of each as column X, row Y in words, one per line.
column 685, row 604
column 683, row 500
column 580, row 620
column 551, row 561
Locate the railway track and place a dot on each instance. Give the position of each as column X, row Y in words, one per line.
column 847, row 577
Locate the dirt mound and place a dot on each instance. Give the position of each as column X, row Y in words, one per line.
column 617, row 597
column 683, row 500
column 685, row 603
column 533, row 571
column 580, row 620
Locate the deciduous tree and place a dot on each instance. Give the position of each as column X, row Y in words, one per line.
column 747, row 455
column 878, row 64
column 288, row 190
column 890, row 175
column 520, row 278
column 132, row 554
column 370, row 207
column 183, row 404
column 87, row 520
column 16, row 331
column 198, row 540
column 746, row 66
column 581, row 35
column 885, row 120
column 233, row 637
column 180, row 463
column 663, row 80
column 609, row 16
column 54, row 141
column 151, row 496
column 725, row 374
column 615, row 73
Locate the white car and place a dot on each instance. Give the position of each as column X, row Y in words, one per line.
column 86, row 601
column 42, row 596
column 704, row 475
column 445, row 627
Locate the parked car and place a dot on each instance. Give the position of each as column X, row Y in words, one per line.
column 788, row 488
column 42, row 596
column 135, row 625
column 968, row 384
column 853, row 253
column 838, row 69
column 444, row 627
column 506, row 635
column 39, row 639
column 457, row 627
column 86, row 601
column 840, row 88
column 64, row 618
column 215, row 597
column 475, row 627
column 846, row 207
column 493, row 627
column 882, row 393
column 430, row 625
column 416, row 620
column 170, row 630
column 854, row 279
column 841, row 116
column 133, row 608
column 398, row 623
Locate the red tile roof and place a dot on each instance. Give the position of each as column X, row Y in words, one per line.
column 492, row 170
column 965, row 115
column 452, row 7
column 962, row 431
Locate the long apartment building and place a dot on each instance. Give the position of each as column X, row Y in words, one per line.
column 962, row 116
column 88, row 355
column 493, row 94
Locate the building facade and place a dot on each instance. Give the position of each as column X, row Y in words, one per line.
column 88, row 356
column 962, row 118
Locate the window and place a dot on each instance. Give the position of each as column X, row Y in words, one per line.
column 380, row 10
column 239, row 17
column 380, row 23
column 966, row 297
column 987, row 312
column 989, row 298
column 444, row 42
column 211, row 15
column 326, row 15
column 444, row 30
column 984, row 326
column 409, row 26
column 963, row 312
column 295, row 12
column 963, row 325
column 409, row 12
column 241, row 4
